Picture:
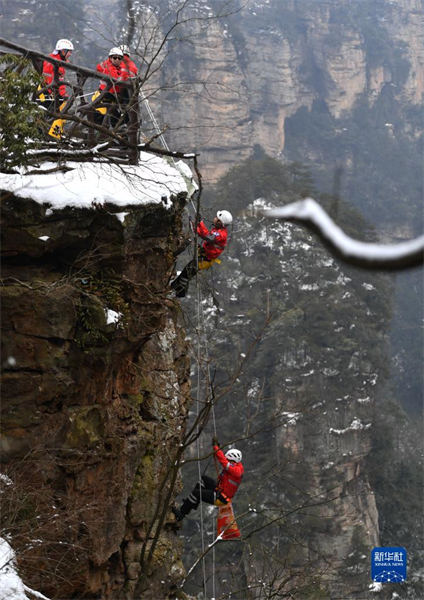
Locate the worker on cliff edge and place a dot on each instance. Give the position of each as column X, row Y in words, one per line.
column 115, row 67
column 214, row 243
column 132, row 73
column 62, row 52
column 130, row 64
column 218, row 492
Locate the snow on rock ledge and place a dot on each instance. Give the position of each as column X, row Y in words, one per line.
column 80, row 184
column 11, row 585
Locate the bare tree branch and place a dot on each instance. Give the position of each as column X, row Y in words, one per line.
column 309, row 213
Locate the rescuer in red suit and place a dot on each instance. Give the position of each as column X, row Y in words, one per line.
column 114, row 66
column 130, row 64
column 215, row 240
column 214, row 492
column 62, row 51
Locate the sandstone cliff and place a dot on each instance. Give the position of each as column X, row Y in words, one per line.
column 95, row 394
column 254, row 70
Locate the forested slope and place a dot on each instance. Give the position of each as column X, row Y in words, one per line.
column 304, row 341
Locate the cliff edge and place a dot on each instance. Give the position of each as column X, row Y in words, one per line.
column 95, row 377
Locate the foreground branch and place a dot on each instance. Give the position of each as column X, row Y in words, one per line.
column 362, row 254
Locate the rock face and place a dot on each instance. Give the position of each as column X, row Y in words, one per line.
column 93, row 410
column 258, row 67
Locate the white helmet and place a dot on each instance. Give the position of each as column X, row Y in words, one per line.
column 225, row 217
column 125, row 49
column 233, row 454
column 64, row 45
column 116, row 51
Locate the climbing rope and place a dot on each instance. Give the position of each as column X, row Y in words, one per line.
column 153, row 119
column 199, row 389
column 202, row 343
column 158, row 131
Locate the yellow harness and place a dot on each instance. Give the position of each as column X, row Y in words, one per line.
column 102, row 110
column 206, row 264
column 56, row 128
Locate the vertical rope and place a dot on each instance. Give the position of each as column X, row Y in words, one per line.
column 201, row 331
column 153, row 119
column 203, row 342
column 198, row 400
column 160, row 135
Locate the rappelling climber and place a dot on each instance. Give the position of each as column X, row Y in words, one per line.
column 214, row 492
column 214, row 243
column 62, row 51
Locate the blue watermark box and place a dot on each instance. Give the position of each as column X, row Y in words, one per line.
column 388, row 564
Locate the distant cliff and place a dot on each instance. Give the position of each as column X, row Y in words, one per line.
column 328, row 83
column 95, row 391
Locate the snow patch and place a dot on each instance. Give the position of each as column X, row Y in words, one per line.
column 112, row 316
column 5, row 480
column 121, row 216
column 153, row 181
column 375, row 586
column 330, row 372
column 356, row 425
column 291, row 418
column 11, row 585
column 364, row 400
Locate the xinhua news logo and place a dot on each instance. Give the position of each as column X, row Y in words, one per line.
column 388, row 565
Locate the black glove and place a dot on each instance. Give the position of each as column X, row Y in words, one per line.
column 215, row 441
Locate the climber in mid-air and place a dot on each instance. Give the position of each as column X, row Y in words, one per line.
column 214, row 492
column 215, row 240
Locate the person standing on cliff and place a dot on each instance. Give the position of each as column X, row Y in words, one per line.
column 130, row 64
column 214, row 492
column 215, row 240
column 132, row 74
column 62, row 52
column 115, row 67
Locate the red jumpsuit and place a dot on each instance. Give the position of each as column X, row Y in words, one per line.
column 119, row 72
column 231, row 474
column 211, row 491
column 212, row 247
column 131, row 66
column 215, row 240
column 48, row 73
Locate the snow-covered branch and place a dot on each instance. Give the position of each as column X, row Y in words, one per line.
column 309, row 213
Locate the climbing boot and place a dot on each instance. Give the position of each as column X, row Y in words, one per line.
column 180, row 286
column 178, row 514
